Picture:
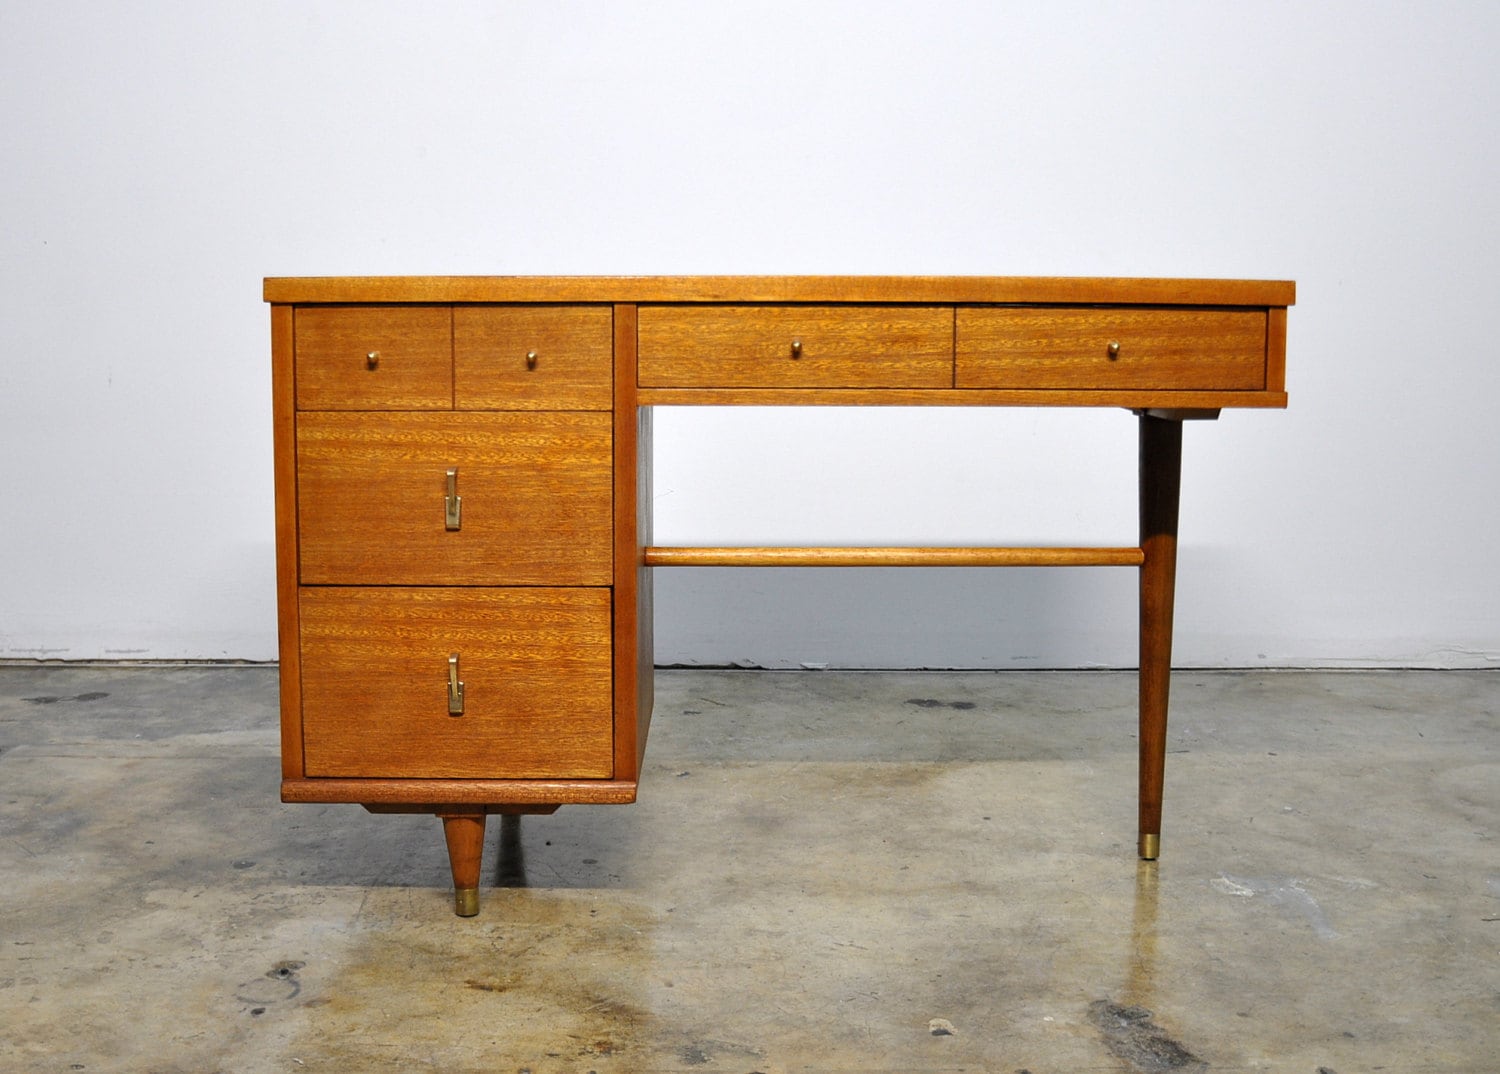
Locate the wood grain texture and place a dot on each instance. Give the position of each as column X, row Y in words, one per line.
column 634, row 674
column 284, row 428
column 559, row 680
column 463, row 831
column 1276, row 349
column 645, row 647
column 892, row 557
column 1160, row 487
column 796, row 346
column 1129, row 398
column 416, row 793
column 535, row 489
column 535, row 663
column 647, row 289
column 414, row 370
column 1174, row 350
column 573, row 348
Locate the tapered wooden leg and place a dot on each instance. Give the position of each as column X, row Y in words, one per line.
column 464, row 832
column 1160, row 482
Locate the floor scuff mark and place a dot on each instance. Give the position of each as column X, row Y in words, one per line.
column 1281, row 891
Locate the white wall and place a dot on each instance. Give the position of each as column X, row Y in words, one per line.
column 159, row 159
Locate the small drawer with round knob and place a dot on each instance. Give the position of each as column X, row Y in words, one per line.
column 1042, row 347
column 796, row 346
column 374, row 357
column 533, row 357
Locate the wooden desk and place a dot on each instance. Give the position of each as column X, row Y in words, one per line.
column 463, row 508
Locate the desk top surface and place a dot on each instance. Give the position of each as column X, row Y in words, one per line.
column 1041, row 290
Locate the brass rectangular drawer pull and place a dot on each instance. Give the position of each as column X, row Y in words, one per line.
column 455, row 687
column 453, row 501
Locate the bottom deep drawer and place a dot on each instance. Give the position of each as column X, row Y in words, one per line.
column 378, row 683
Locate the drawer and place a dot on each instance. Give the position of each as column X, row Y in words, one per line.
column 534, row 495
column 533, row 357
column 535, row 668
column 796, row 346
column 1166, row 349
column 412, row 367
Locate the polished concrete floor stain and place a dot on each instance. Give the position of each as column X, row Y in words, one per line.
column 825, row 873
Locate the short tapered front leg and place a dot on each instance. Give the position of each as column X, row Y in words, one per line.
column 1160, row 483
column 463, row 829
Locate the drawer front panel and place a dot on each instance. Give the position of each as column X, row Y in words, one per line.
column 412, row 367
column 534, row 499
column 1075, row 348
column 796, row 346
column 535, row 668
column 533, row 357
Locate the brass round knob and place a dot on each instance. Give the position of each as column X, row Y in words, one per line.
column 531, row 359
column 1114, row 349
column 372, row 359
column 796, row 348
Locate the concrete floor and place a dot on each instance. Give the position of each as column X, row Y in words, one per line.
column 826, row 872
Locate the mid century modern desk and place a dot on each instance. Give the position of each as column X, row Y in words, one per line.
column 463, row 508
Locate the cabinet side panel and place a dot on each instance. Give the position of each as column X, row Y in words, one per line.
column 645, row 644
column 284, row 428
column 631, row 627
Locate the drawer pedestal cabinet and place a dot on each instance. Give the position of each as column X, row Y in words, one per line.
column 463, row 509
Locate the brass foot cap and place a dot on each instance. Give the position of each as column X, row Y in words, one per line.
column 1150, row 847
column 466, row 901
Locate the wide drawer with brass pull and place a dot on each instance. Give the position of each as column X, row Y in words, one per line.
column 507, row 498
column 1176, row 349
column 455, row 683
column 796, row 346
column 374, row 358
column 533, row 357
